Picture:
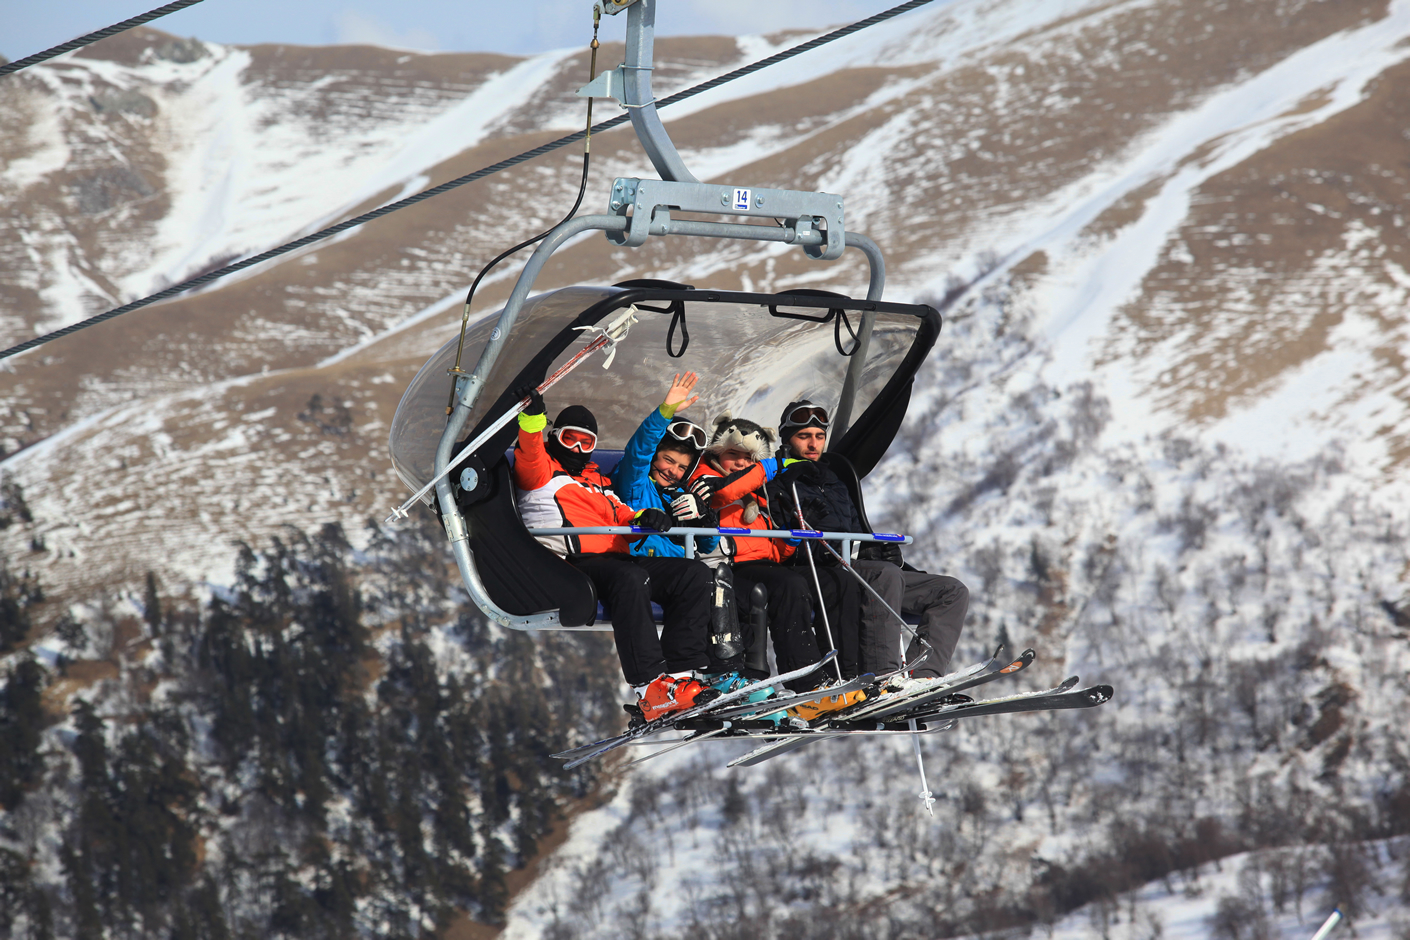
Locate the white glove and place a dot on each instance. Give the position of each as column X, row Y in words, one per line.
column 687, row 506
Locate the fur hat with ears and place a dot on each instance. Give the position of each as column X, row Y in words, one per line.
column 742, row 434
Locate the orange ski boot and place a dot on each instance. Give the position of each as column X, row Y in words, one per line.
column 667, row 694
column 825, row 704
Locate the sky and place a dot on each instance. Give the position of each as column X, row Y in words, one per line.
column 522, row 27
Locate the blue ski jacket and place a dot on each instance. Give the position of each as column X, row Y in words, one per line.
column 634, row 487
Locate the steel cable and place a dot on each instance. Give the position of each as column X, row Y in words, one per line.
column 460, row 181
column 104, row 33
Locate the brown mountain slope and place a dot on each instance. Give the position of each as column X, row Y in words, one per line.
column 1276, row 255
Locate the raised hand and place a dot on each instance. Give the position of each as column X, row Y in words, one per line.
column 678, row 395
column 535, row 406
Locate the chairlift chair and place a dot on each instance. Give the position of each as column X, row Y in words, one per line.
column 755, row 352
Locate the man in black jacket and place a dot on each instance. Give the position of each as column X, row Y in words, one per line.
column 939, row 601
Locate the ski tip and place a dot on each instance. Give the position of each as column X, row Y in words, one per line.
column 1099, row 694
column 1069, row 683
column 1023, row 662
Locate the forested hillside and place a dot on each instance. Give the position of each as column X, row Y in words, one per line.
column 326, row 748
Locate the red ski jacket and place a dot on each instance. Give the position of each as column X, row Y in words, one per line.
column 551, row 497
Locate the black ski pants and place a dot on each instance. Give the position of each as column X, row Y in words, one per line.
column 790, row 614
column 627, row 584
column 940, row 602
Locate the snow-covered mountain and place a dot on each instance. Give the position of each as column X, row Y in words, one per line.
column 1163, row 436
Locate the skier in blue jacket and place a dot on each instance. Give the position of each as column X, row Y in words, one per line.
column 656, row 462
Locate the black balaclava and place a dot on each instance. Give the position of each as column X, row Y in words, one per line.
column 574, row 416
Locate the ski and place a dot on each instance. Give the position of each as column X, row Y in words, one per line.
column 680, row 744
column 1061, row 698
column 968, row 677
column 876, row 721
column 781, row 742
column 773, row 749
column 581, row 755
column 938, row 691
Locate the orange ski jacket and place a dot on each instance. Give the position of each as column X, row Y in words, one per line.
column 551, row 497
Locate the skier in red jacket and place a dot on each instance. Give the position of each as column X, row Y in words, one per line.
column 560, row 486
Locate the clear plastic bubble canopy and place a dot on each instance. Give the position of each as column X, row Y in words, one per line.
column 754, row 353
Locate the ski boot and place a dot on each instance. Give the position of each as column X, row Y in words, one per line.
column 729, row 681
column 725, row 682
column 667, row 695
column 826, row 704
column 905, row 685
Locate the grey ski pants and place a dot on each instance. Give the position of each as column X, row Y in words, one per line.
column 940, row 602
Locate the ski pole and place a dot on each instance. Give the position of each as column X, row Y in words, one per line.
column 874, row 593
column 1328, row 925
column 615, row 332
column 926, row 796
column 817, row 584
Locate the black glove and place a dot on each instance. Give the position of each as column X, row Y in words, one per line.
column 881, row 551
column 800, row 471
column 653, row 518
column 535, row 406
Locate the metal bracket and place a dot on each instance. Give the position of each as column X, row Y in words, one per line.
column 651, row 201
column 455, row 526
column 607, row 85
column 613, row 7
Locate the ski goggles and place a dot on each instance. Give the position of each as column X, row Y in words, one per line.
column 579, row 439
column 807, row 415
column 686, row 431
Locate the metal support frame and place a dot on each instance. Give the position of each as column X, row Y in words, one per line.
column 637, row 97
column 813, row 221
column 651, row 202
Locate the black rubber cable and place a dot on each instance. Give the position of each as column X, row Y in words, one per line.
column 461, row 181
column 81, row 41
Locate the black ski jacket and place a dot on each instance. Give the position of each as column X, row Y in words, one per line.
column 831, row 496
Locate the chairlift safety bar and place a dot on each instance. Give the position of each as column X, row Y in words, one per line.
column 731, row 531
column 691, row 534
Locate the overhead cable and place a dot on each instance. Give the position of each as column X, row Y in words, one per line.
column 104, row 33
column 461, row 181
